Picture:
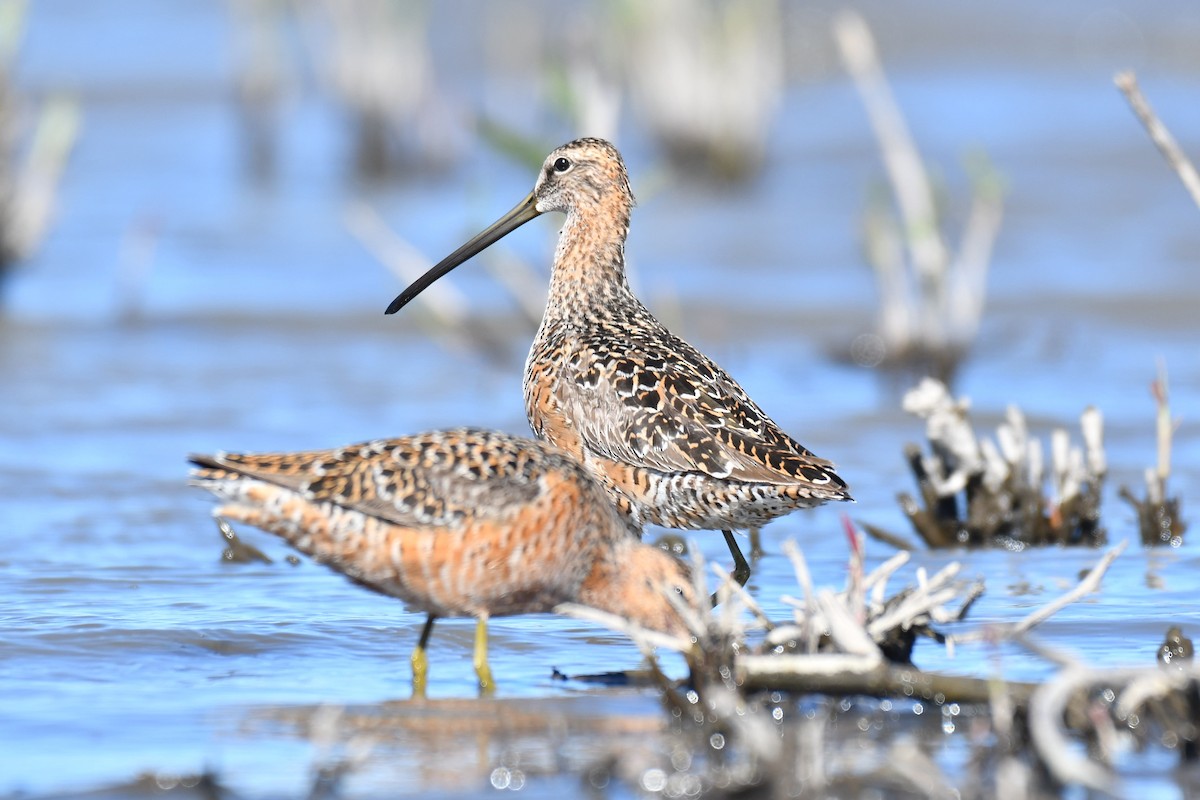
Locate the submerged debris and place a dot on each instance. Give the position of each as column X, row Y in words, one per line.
column 750, row 701
column 1158, row 515
column 1113, row 712
column 1176, row 650
column 980, row 493
column 236, row 551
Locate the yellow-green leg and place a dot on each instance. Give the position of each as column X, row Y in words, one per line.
column 741, row 570
column 486, row 684
column 420, row 661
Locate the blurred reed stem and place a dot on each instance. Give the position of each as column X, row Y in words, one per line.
column 1127, row 82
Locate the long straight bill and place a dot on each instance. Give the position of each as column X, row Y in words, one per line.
column 522, row 213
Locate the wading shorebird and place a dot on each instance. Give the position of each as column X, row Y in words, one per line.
column 455, row 523
column 675, row 440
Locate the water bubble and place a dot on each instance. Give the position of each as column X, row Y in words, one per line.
column 918, row 709
column 687, row 785
column 717, row 741
column 653, row 780
column 868, row 350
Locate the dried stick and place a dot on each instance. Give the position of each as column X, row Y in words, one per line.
column 1089, row 584
column 454, row 326
column 1163, row 426
column 849, row 675
column 1127, row 82
column 914, row 195
column 876, row 582
column 739, row 591
column 443, row 300
column 846, row 630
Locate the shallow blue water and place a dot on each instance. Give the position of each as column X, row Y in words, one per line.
column 255, row 323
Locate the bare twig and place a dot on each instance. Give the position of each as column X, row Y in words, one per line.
column 846, row 630
column 1159, row 519
column 1128, row 84
column 1163, row 425
column 442, row 299
column 914, row 194
column 931, row 300
column 740, row 591
column 876, row 582
column 1089, row 584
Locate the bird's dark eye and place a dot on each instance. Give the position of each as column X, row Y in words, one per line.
column 562, row 165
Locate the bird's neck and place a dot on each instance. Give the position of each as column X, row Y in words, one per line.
column 589, row 262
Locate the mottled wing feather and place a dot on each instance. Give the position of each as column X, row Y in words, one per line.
column 428, row 480
column 662, row 405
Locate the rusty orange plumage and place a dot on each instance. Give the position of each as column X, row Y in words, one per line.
column 675, row 440
column 455, row 523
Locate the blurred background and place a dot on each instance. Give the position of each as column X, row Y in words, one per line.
column 206, row 206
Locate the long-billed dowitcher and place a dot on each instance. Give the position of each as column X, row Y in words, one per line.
column 455, row 523
column 675, row 439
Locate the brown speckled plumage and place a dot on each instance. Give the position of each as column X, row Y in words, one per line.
column 455, row 523
column 672, row 436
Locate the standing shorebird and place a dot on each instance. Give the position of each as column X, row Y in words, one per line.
column 675, row 440
column 455, row 523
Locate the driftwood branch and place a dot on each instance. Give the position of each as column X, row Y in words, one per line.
column 849, row 676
